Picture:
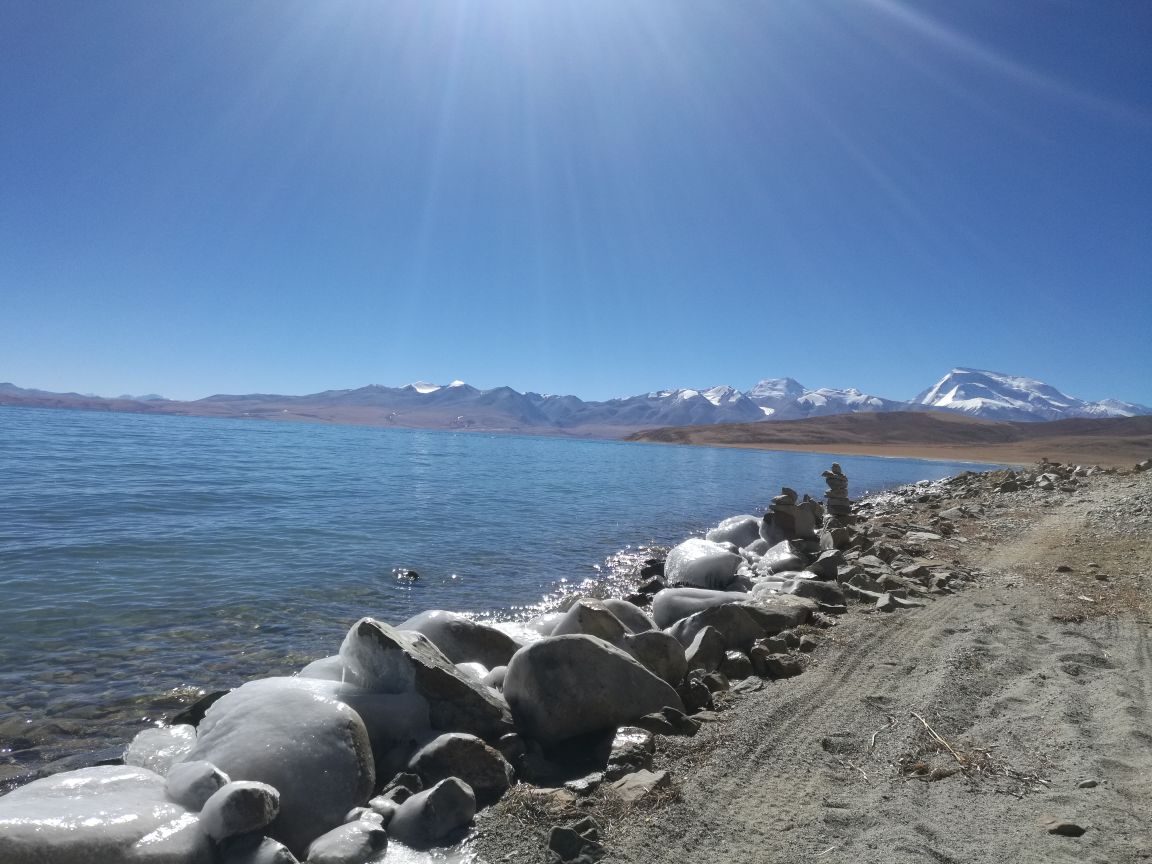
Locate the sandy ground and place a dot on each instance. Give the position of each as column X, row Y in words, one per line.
column 1039, row 680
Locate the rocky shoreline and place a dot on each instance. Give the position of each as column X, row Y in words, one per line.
column 408, row 731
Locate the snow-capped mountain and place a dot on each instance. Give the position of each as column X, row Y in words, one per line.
column 457, row 405
column 996, row 396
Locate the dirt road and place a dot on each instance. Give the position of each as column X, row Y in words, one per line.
column 1037, row 682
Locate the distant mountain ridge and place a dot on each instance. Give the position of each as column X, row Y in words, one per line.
column 973, row 392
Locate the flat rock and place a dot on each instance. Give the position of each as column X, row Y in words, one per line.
column 110, row 814
column 1063, row 827
column 640, row 784
column 565, row 686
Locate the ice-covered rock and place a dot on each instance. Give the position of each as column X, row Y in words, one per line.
column 190, row 784
column 701, row 564
column 111, row 814
column 296, row 736
column 740, row 530
column 158, row 749
column 783, row 556
column 463, row 640
column 358, row 842
column 672, row 604
column 570, row 685
column 435, row 817
column 543, row 625
column 473, row 670
column 255, row 849
column 239, row 807
column 329, row 669
column 388, row 661
column 457, row 754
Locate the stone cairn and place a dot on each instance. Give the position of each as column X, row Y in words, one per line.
column 788, row 519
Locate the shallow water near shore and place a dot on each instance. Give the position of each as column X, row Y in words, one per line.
column 146, row 559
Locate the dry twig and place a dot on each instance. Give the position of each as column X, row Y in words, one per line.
column 939, row 738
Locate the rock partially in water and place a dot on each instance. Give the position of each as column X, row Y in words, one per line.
column 103, row 815
column 158, row 749
column 358, row 842
column 463, row 640
column 294, row 735
column 701, row 564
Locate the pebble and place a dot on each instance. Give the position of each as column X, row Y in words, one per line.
column 1063, row 828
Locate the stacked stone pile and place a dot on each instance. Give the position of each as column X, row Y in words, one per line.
column 404, row 732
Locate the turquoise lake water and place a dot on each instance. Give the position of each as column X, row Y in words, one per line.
column 145, row 558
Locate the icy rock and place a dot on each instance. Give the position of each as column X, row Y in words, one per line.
column 329, row 669
column 544, row 624
column 190, row 784
column 437, row 816
column 158, row 749
column 457, row 754
column 388, row 661
column 110, row 814
column 741, row 531
column 239, row 807
column 570, row 685
column 296, row 736
column 255, row 849
column 783, row 556
column 462, row 640
column 473, row 670
column 701, row 564
column 359, row 842
column 673, row 604
column 495, row 677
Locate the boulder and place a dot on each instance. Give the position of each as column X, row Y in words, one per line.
column 706, row 651
column 159, row 749
column 565, row 686
column 437, row 816
column 785, row 555
column 110, row 814
column 701, row 564
column 296, row 736
column 457, row 754
column 329, row 669
column 190, row 784
column 592, row 618
column 740, row 531
column 239, row 807
column 255, row 849
column 462, row 640
column 740, row 624
column 824, row 593
column 361, row 841
column 387, row 661
column 659, row 653
column 674, row 604
column 634, row 619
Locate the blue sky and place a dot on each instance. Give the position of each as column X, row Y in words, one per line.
column 599, row 197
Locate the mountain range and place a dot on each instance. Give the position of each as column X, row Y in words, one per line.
column 973, row 392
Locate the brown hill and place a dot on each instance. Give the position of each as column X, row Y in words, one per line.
column 931, row 435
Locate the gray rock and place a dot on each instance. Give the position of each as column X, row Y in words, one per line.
column 701, row 564
column 630, row 615
column 111, row 814
column 1063, row 827
column 827, row 564
column 571, row 685
column 462, row 640
column 632, row 748
column 716, row 682
column 572, row 847
column 359, row 842
column 742, row 623
column 435, row 817
column 239, row 807
column 783, row 666
column 294, row 735
column 457, row 754
column 824, row 593
column 706, row 651
column 159, row 749
column 591, row 618
column 695, row 694
column 736, row 666
column 741, row 531
column 387, row 661
column 190, row 784
column 808, row 644
column 659, row 653
column 785, row 555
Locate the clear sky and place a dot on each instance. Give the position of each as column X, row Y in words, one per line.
column 599, row 197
